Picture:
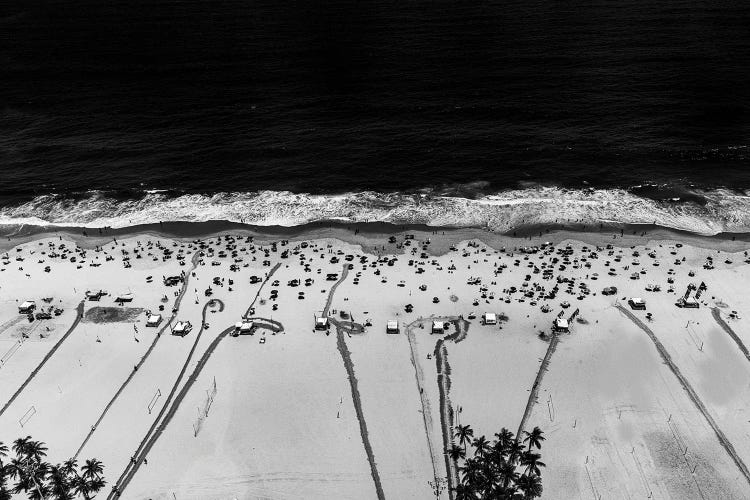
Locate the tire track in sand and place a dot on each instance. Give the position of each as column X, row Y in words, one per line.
column 665, row 356
column 723, row 324
column 534, row 394
column 426, row 407
column 157, row 427
column 349, row 366
column 79, row 316
column 194, row 260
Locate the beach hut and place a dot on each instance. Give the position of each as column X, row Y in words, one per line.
column 561, row 325
column 182, row 328
column 637, row 303
column 27, row 307
column 438, row 327
column 391, row 326
column 321, row 322
column 489, row 318
column 153, row 320
column 246, row 327
column 689, row 303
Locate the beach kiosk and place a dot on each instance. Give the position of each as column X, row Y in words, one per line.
column 489, row 318
column 27, row 307
column 689, row 303
column 438, row 327
column 182, row 328
column 391, row 326
column 561, row 325
column 245, row 327
column 321, row 321
column 637, row 303
column 153, row 320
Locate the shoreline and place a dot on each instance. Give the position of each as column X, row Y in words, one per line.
column 370, row 235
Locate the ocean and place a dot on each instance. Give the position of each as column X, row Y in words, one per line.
column 492, row 114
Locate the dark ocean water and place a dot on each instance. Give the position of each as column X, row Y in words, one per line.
column 196, row 96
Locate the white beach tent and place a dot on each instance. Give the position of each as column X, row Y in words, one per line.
column 153, row 320
column 182, row 328
column 27, row 306
column 561, row 324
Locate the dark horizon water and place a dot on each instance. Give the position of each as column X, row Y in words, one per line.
column 212, row 96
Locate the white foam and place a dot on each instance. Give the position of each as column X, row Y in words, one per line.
column 723, row 211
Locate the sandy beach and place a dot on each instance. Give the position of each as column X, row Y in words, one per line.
column 287, row 383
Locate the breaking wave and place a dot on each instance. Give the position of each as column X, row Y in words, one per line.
column 703, row 212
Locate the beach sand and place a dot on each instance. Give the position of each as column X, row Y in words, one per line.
column 633, row 406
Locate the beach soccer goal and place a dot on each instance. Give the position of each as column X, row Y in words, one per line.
column 204, row 409
column 27, row 416
column 153, row 401
column 10, row 352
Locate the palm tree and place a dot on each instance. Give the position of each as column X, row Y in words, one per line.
column 481, row 446
column 27, row 467
column 4, row 493
column 40, row 492
column 471, row 473
column 515, row 451
column 463, row 492
column 31, row 477
column 82, row 487
column 70, row 467
column 20, row 445
column 92, row 476
column 456, row 453
column 534, row 438
column 59, row 483
column 16, row 470
column 531, row 486
column 92, row 469
column 532, row 463
column 504, row 438
column 464, row 433
column 29, row 449
column 507, row 473
column 37, row 450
